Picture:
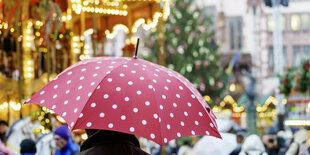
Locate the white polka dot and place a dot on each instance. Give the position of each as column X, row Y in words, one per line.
column 143, row 69
column 178, row 95
column 56, row 86
column 147, row 103
column 110, row 66
column 81, row 115
column 130, row 82
column 88, row 124
column 69, row 73
column 180, row 87
column 84, row 69
column 211, row 125
column 97, row 67
column 72, row 123
column 67, row 91
column 152, row 136
column 78, row 98
column 54, row 106
column 118, row 88
column 93, row 105
column 168, row 80
column 193, row 132
column 99, row 62
column 170, row 74
column 159, row 119
column 166, row 88
column 175, row 105
column 106, row 96
column 66, row 102
column 182, row 123
column 69, row 81
column 154, row 81
column 185, row 113
column 165, row 140
column 98, row 87
column 110, row 125
column 80, row 87
column 42, row 101
column 189, row 104
column 193, row 96
column 135, row 109
column 168, row 126
column 155, row 74
column 109, row 79
column 133, row 71
column 89, row 94
column 126, row 99
column 141, row 78
column 82, row 77
column 171, row 115
column 196, row 122
column 125, row 66
column 42, row 92
column 123, row 117
column 132, row 129
column 155, row 116
column 108, row 72
column 150, row 86
column 55, row 96
column 157, row 70
column 163, row 96
column 75, row 110
column 161, row 107
column 144, row 65
column 92, row 83
column 135, row 64
column 114, row 106
column 207, row 132
column 64, row 114
column 144, row 122
column 101, row 114
column 94, row 75
column 122, row 75
column 179, row 134
column 200, row 114
column 139, row 92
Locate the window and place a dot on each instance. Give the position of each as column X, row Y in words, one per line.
column 295, row 22
column 209, row 12
column 235, row 33
column 271, row 23
column 271, row 54
column 301, row 52
column 305, row 21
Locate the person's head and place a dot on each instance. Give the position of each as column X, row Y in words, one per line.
column 28, row 146
column 3, row 126
column 61, row 136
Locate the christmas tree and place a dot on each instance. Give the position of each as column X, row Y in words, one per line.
column 191, row 49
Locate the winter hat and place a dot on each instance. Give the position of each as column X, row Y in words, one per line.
column 62, row 131
column 27, row 146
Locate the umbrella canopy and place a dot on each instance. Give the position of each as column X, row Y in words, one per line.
column 128, row 95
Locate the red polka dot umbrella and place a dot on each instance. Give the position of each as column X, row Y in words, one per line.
column 128, row 95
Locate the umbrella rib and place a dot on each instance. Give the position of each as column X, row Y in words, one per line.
column 93, row 92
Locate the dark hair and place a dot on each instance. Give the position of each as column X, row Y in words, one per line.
column 2, row 122
column 28, row 146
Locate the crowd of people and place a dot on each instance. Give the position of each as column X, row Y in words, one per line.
column 273, row 142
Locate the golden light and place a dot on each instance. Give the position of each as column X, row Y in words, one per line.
column 37, row 34
column 28, row 31
column 297, row 122
column 84, row 136
column 69, row 17
column 63, row 18
column 232, row 87
column 5, row 25
column 61, row 36
column 85, row 3
column 12, row 29
column 5, row 104
column 207, row 98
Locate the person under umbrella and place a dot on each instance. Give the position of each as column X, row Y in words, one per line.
column 110, row 142
column 64, row 144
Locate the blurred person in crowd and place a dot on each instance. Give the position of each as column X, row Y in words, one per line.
column 4, row 150
column 172, row 147
column 253, row 146
column 273, row 143
column 28, row 147
column 240, row 139
column 64, row 144
column 299, row 145
column 3, row 128
column 110, row 142
column 186, row 148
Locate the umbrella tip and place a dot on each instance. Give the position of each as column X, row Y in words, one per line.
column 137, row 46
